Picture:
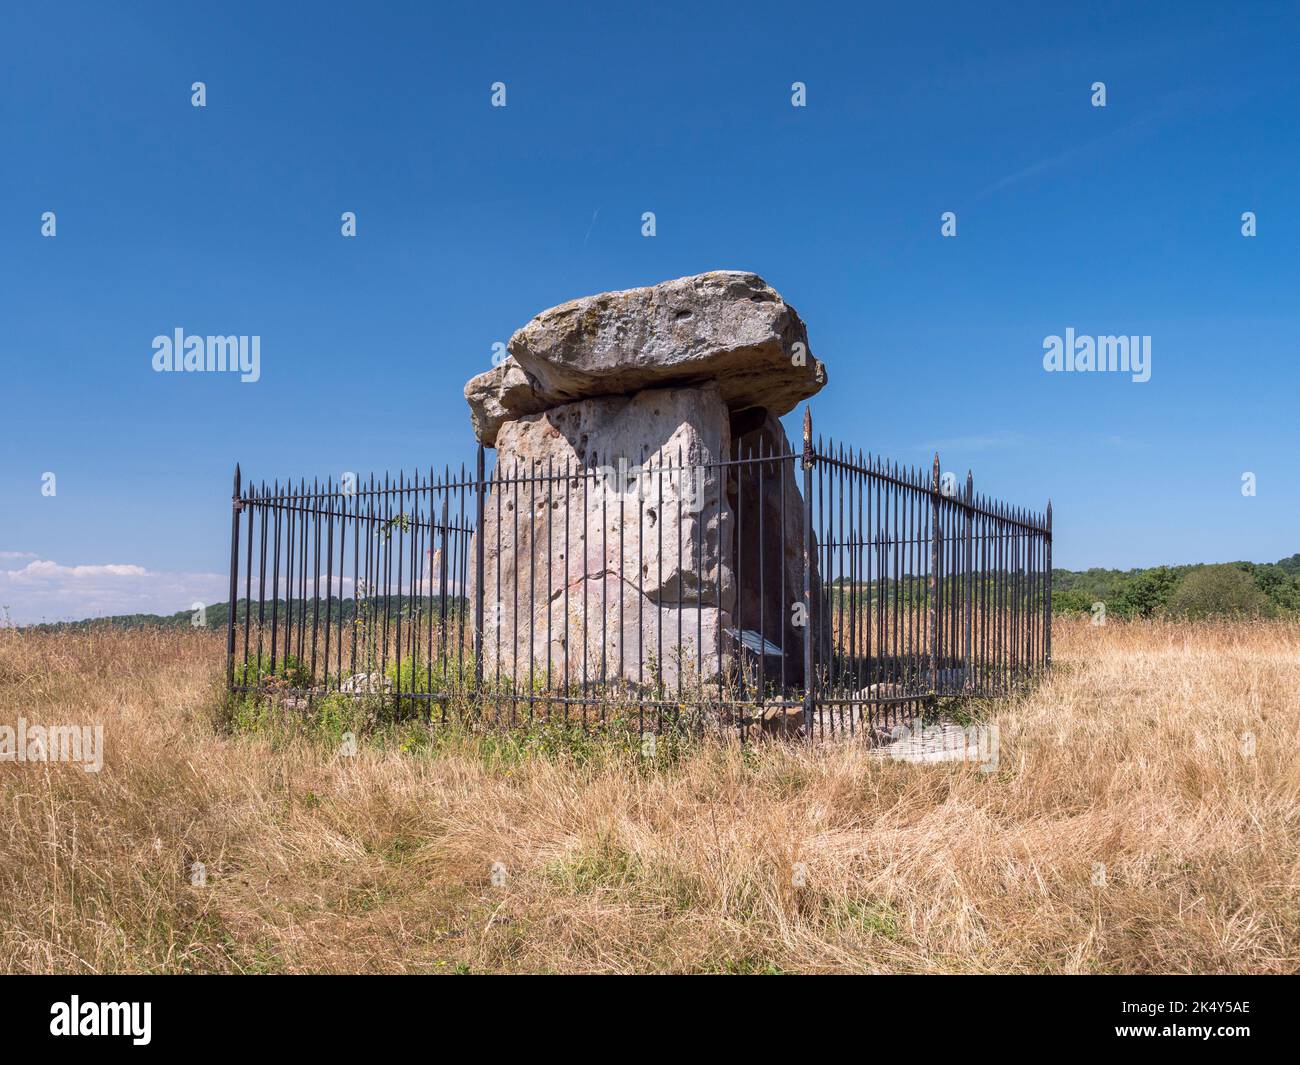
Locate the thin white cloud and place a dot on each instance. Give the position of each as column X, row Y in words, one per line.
column 48, row 591
column 1088, row 149
column 44, row 590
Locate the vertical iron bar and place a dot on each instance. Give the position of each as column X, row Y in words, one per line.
column 315, row 578
column 967, row 579
column 329, row 581
column 566, row 626
column 248, row 576
column 261, row 575
column 479, row 488
column 275, row 582
column 782, row 619
column 234, row 581
column 934, row 578
column 549, row 503
column 681, row 487
column 762, row 584
column 1046, row 578
column 809, row 695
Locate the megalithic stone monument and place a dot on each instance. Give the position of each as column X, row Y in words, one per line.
column 643, row 564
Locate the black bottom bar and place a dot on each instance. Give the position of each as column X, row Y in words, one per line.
column 1143, row 1013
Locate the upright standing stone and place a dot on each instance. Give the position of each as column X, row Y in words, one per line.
column 622, row 540
column 607, row 517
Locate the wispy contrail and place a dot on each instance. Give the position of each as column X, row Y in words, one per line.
column 590, row 227
column 1087, row 147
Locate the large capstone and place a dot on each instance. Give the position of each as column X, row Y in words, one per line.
column 726, row 326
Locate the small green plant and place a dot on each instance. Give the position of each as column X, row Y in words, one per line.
column 401, row 522
column 872, row 916
column 287, row 672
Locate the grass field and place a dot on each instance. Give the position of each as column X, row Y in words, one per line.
column 1132, row 825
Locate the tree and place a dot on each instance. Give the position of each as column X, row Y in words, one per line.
column 1210, row 591
column 1071, row 601
column 1147, row 593
column 1281, row 588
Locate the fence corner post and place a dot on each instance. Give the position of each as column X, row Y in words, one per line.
column 809, row 682
column 234, row 582
column 933, row 590
column 1048, row 567
column 968, row 667
column 479, row 490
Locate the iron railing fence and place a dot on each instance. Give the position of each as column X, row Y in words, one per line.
column 934, row 592
column 817, row 593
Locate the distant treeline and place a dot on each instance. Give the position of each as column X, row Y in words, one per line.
column 1230, row 588
column 215, row 616
column 1254, row 589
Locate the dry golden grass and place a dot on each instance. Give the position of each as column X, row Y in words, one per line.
column 1130, row 755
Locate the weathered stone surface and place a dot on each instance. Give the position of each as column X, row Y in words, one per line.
column 727, row 326
column 366, row 683
column 592, row 523
column 629, row 637
column 503, row 393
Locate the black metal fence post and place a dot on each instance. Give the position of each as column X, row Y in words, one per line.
column 968, row 592
column 933, row 634
column 1047, row 609
column 235, row 506
column 479, row 491
column 809, row 695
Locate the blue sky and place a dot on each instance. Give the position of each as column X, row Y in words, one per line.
column 225, row 219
